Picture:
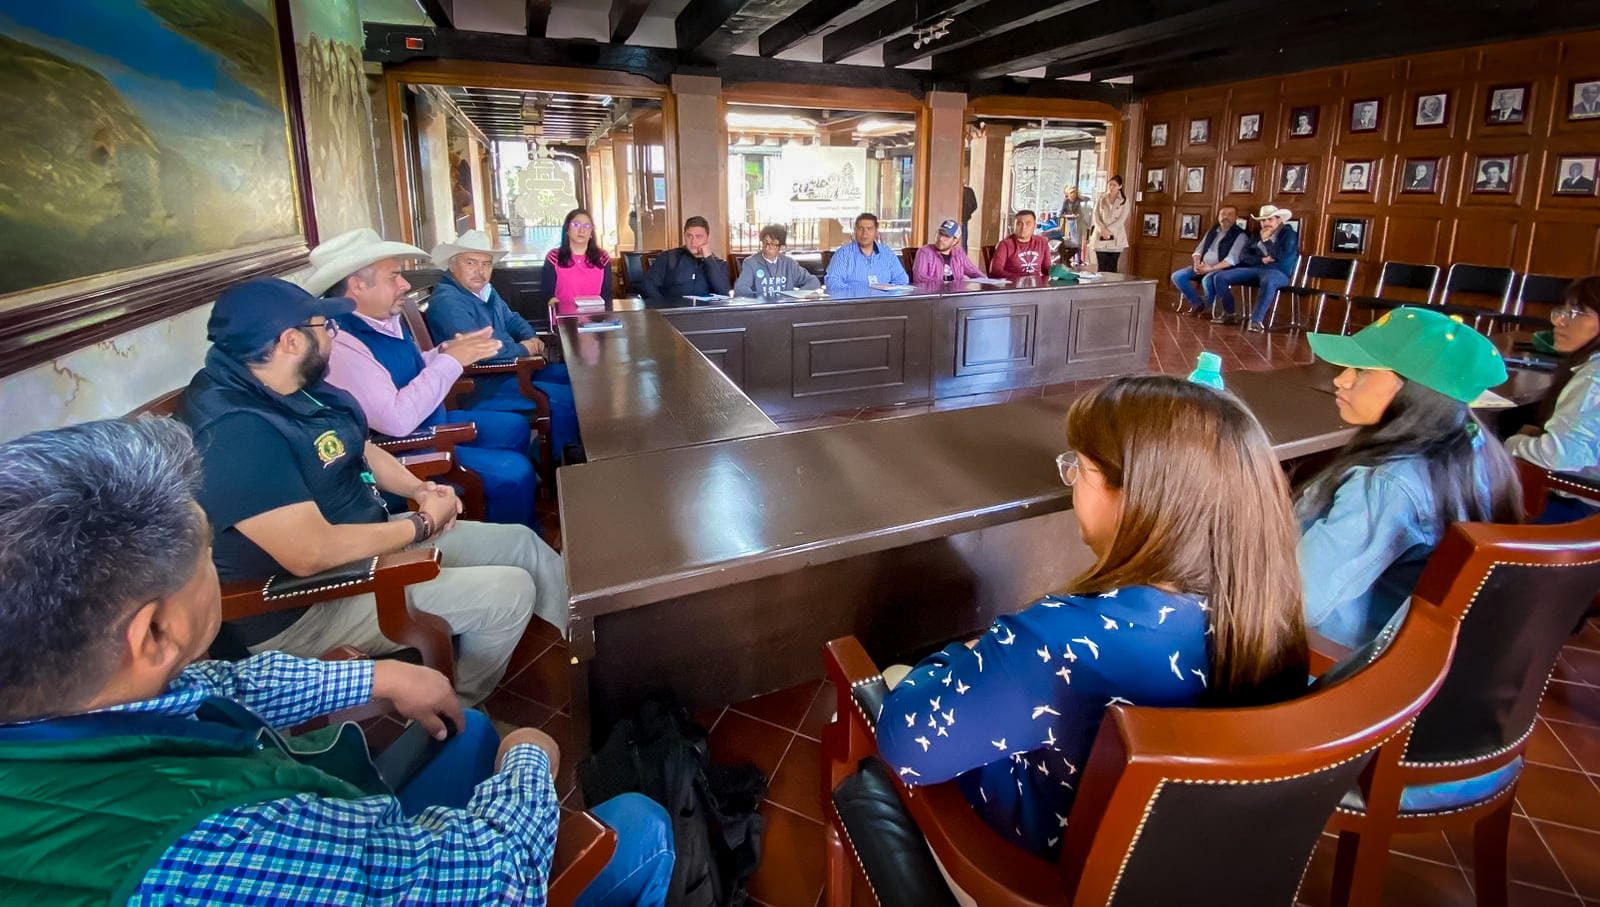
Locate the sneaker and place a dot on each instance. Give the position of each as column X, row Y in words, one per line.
column 1196, row 311
column 1225, row 318
column 1257, row 327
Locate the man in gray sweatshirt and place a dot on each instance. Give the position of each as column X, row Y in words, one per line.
column 769, row 271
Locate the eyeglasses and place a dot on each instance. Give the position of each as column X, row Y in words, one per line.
column 1067, row 466
column 772, row 242
column 332, row 327
column 581, row 228
column 1567, row 314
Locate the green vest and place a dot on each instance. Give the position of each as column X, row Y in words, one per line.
column 83, row 820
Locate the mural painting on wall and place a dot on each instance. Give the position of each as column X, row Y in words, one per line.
column 545, row 192
column 1036, row 179
column 139, row 133
column 338, row 117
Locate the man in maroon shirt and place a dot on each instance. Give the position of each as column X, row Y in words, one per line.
column 1022, row 254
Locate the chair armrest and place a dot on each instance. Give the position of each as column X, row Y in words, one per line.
column 248, row 598
column 524, row 367
column 1325, row 653
column 438, row 437
column 430, row 465
column 892, row 852
column 584, row 845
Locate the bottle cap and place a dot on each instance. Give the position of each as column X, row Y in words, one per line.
column 1208, row 362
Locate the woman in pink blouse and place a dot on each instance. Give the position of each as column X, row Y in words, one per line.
column 578, row 267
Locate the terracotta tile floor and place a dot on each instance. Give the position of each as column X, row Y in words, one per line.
column 1555, row 842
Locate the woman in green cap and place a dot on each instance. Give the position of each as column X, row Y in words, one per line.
column 1419, row 461
column 1569, row 440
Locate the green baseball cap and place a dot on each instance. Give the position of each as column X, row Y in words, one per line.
column 1435, row 350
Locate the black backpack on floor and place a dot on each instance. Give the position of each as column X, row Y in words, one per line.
column 716, row 825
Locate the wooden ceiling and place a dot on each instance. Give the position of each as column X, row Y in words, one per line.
column 558, row 118
column 1071, row 47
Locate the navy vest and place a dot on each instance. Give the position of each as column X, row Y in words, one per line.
column 1227, row 239
column 399, row 356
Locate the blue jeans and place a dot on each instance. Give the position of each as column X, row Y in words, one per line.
column 1184, row 279
column 1270, row 280
column 499, row 455
column 503, row 394
column 638, row 873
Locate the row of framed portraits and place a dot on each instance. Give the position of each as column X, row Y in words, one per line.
column 1492, row 174
column 1347, row 235
column 1505, row 105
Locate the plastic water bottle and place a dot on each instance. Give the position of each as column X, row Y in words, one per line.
column 1207, row 370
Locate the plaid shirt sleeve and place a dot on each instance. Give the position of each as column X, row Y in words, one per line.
column 317, row 851
column 282, row 689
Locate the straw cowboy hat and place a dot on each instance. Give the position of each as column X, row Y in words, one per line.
column 1272, row 211
column 470, row 241
column 343, row 255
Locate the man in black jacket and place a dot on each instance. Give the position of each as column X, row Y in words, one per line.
column 689, row 270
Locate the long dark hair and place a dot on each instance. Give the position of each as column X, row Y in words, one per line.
column 1582, row 293
column 1205, row 510
column 1421, row 422
column 594, row 255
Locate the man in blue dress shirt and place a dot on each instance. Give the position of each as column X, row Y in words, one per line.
column 865, row 262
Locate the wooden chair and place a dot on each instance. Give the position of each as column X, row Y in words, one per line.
column 1325, row 277
column 1517, row 591
column 985, row 254
column 1395, row 275
column 523, row 367
column 908, row 259
column 827, row 256
column 1146, row 827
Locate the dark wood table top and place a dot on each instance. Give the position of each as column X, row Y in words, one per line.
column 674, row 522
column 643, row 387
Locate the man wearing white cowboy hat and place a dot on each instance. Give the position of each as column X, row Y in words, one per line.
column 1268, row 263
column 402, row 389
column 464, row 301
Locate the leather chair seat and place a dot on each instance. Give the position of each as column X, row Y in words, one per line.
column 893, row 853
column 1445, row 796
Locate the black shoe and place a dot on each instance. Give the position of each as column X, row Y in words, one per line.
column 1227, row 318
column 1192, row 310
column 1256, row 327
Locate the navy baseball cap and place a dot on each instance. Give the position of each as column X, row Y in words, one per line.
column 250, row 315
column 950, row 228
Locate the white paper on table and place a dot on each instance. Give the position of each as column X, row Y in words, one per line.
column 1087, row 275
column 594, row 327
column 892, row 287
column 802, row 294
column 709, row 297
column 989, row 281
column 1491, row 400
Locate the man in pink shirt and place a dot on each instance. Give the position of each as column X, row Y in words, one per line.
column 1022, row 254
column 401, row 389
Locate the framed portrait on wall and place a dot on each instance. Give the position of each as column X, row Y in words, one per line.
column 1585, row 99
column 1303, row 122
column 1356, row 176
column 1189, row 226
column 1420, row 174
column 1349, row 235
column 1250, row 127
column 1493, row 174
column 1575, row 175
column 190, row 171
column 1194, row 180
column 1242, row 178
column 1158, row 135
column 1507, row 105
column 1365, row 114
column 1152, row 224
column 1155, row 180
column 1200, row 131
column 1433, row 110
column 1295, row 177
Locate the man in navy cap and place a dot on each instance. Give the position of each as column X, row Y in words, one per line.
column 291, row 486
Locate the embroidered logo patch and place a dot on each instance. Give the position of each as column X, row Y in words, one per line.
column 329, row 448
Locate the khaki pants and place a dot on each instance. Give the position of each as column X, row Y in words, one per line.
column 493, row 577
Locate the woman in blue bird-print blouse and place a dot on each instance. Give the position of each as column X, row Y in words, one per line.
column 1194, row 599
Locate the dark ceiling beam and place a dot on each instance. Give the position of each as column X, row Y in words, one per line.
column 809, row 20
column 742, row 68
column 538, row 17
column 983, row 22
column 711, row 30
column 1115, row 95
column 439, row 12
column 893, row 20
column 386, row 44
column 1094, row 30
column 624, row 18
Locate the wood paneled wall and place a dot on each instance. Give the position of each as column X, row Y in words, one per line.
column 1530, row 228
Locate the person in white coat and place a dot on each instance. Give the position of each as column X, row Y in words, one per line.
column 1111, row 225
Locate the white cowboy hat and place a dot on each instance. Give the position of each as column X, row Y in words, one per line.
column 340, row 256
column 470, row 241
column 1272, row 211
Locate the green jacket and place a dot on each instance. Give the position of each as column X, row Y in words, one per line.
column 89, row 804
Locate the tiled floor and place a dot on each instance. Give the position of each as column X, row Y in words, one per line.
column 1555, row 842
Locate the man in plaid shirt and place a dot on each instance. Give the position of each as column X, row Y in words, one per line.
column 132, row 772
